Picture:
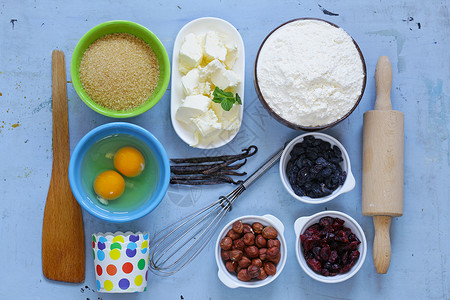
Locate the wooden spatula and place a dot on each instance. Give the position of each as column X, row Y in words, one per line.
column 63, row 257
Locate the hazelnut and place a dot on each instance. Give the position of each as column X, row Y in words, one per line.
column 254, row 271
column 238, row 269
column 251, row 251
column 231, row 266
column 263, row 275
column 272, row 252
column 226, row 243
column 257, row 262
column 260, row 241
column 249, row 239
column 270, row 268
column 276, row 259
column 233, row 235
column 238, row 227
column 225, row 255
column 248, row 228
column 263, row 253
column 244, row 262
column 238, row 244
column 257, row 227
column 235, row 255
column 269, row 233
column 243, row 275
column 273, row 243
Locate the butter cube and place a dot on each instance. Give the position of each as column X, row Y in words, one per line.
column 193, row 106
column 190, row 82
column 206, row 72
column 231, row 119
column 214, row 48
column 225, row 79
column 207, row 123
column 195, row 83
column 232, row 53
column 218, row 74
column 191, row 53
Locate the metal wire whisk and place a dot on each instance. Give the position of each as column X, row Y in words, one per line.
column 181, row 242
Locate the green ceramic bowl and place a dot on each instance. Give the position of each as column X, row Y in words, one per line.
column 121, row 27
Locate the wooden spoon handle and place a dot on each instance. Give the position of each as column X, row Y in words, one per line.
column 61, row 149
column 383, row 83
column 382, row 244
column 63, row 256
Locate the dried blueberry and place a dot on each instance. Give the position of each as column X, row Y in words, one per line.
column 337, row 151
column 289, row 166
column 298, row 190
column 313, row 169
column 336, row 160
column 297, row 150
column 298, row 163
column 303, row 174
column 312, row 155
column 316, row 169
column 325, row 145
column 342, row 177
column 306, row 162
column 326, row 172
column 321, row 161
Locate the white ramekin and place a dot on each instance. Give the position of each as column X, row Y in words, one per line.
column 231, row 280
column 348, row 185
column 301, row 224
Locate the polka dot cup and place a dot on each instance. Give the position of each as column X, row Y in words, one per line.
column 121, row 261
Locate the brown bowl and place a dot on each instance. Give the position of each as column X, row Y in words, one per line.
column 288, row 123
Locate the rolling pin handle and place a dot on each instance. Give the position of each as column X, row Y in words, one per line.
column 382, row 244
column 383, row 83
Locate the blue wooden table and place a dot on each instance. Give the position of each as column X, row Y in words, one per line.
column 414, row 34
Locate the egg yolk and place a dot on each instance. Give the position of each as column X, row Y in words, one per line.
column 109, row 185
column 129, row 161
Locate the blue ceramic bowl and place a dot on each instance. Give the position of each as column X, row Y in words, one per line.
column 92, row 156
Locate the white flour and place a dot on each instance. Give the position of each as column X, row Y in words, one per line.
column 310, row 72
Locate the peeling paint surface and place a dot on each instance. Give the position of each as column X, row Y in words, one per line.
column 414, row 34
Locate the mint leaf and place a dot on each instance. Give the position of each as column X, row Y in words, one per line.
column 227, row 104
column 238, row 99
column 226, row 99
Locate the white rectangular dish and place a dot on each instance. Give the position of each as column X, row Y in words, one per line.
column 202, row 26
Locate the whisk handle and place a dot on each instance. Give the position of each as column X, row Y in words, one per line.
column 266, row 166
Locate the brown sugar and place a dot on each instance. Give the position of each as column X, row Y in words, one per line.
column 119, row 71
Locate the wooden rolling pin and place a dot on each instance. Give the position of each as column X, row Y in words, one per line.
column 382, row 187
column 63, row 257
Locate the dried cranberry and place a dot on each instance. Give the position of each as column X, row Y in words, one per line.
column 310, row 242
column 344, row 258
column 354, row 255
column 338, row 224
column 347, row 267
column 326, row 221
column 352, row 245
column 325, row 253
column 333, row 256
column 312, row 231
column 335, row 267
column 329, row 247
column 315, row 265
column 341, row 236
